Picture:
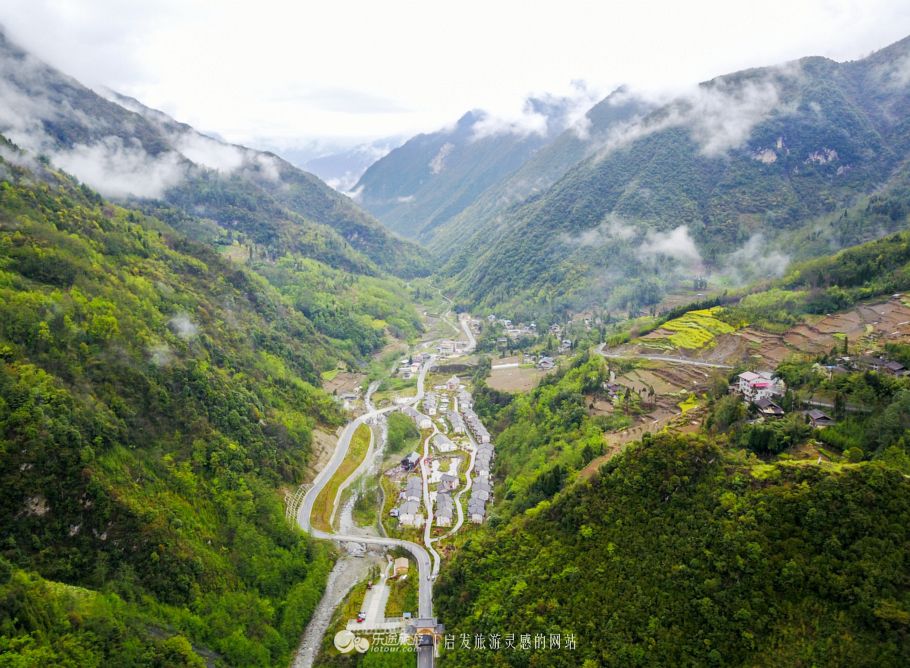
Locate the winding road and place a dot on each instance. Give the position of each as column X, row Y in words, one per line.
column 421, row 556
column 663, row 358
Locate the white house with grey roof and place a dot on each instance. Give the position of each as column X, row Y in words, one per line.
column 444, row 509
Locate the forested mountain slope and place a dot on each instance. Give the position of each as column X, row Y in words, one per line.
column 466, row 234
column 153, row 397
column 420, row 186
column 681, row 553
column 218, row 191
column 706, row 184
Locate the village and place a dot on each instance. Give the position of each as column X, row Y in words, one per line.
column 453, row 435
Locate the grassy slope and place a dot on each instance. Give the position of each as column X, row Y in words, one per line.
column 324, row 504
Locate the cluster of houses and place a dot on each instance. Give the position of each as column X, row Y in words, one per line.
column 422, row 421
column 868, row 363
column 408, row 511
column 762, row 388
column 448, row 348
column 466, row 405
column 512, row 330
column 445, row 508
column 481, row 487
column 456, row 422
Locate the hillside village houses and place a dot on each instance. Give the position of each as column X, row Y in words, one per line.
column 452, row 383
column 421, row 420
column 443, row 443
column 456, row 422
column 762, row 385
column 409, row 514
column 413, row 489
column 409, row 462
column 444, row 508
column 409, row 510
column 448, row 482
column 430, row 403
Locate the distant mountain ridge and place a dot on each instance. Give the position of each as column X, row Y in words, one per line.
column 733, row 179
column 126, row 150
column 420, row 186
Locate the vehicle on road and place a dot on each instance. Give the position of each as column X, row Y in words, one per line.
column 361, row 616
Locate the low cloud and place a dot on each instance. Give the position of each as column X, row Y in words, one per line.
column 544, row 115
column 755, row 260
column 611, row 228
column 183, row 327
column 438, row 163
column 160, row 355
column 676, row 244
column 208, row 152
column 720, row 115
column 116, row 169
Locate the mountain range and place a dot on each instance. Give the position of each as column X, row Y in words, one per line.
column 731, row 181
column 216, row 191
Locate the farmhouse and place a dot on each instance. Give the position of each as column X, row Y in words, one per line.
column 448, row 482
column 413, row 489
column 819, row 419
column 763, row 385
column 410, row 461
column 768, row 409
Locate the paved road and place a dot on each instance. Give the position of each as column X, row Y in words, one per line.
column 664, row 358
column 428, row 526
column 472, row 342
column 425, row 593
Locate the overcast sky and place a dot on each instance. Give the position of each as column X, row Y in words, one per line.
column 279, row 73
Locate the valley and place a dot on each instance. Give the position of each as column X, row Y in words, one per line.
column 621, row 381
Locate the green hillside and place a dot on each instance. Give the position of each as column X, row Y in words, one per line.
column 467, row 234
column 209, row 189
column 714, row 184
column 432, row 183
column 153, row 397
column 682, row 553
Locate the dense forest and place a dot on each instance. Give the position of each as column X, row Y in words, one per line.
column 683, row 552
column 153, row 397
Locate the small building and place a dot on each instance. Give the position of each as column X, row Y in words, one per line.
column 409, row 462
column 762, row 385
column 413, row 489
column 819, row 419
column 768, row 409
column 456, row 422
column 401, row 566
column 546, row 363
column 408, row 514
column 453, row 383
column 421, row 420
column 477, row 511
column 894, row 368
column 444, row 508
column 443, row 443
column 448, row 482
